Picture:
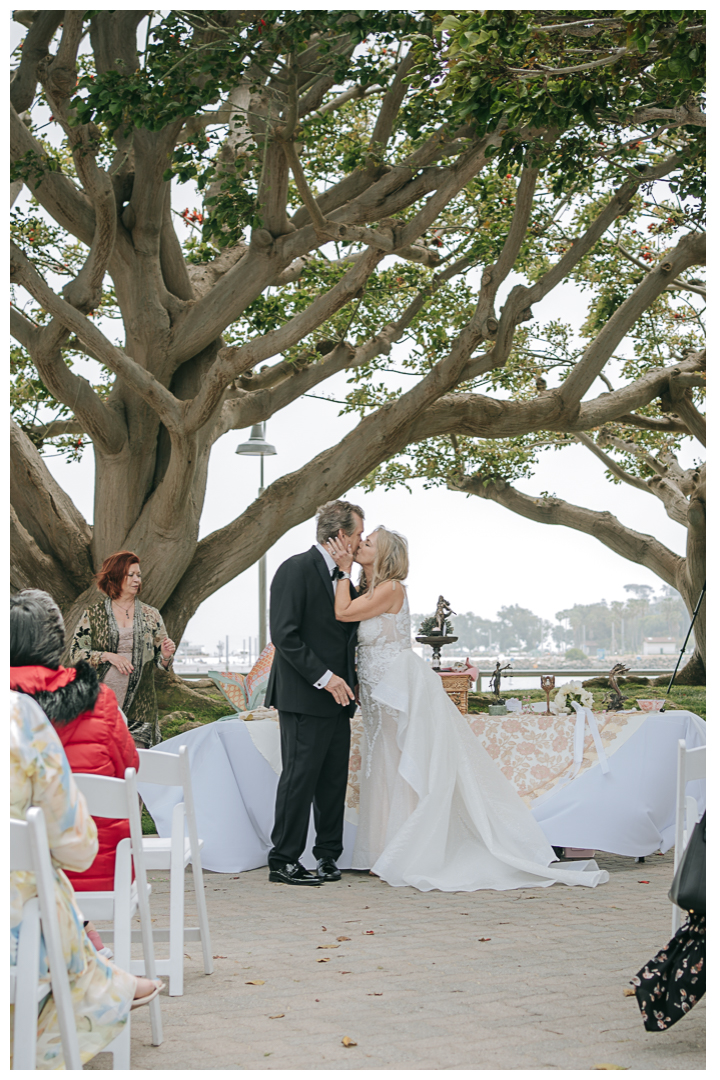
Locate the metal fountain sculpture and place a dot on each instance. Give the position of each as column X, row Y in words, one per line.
column 437, row 630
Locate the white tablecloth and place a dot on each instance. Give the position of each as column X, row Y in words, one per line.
column 234, row 791
column 630, row 810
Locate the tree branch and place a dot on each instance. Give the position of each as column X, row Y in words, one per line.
column 46, row 513
column 391, row 103
column 493, row 276
column 677, row 285
column 54, row 429
column 35, row 49
column 340, row 100
column 230, row 362
column 165, row 404
column 105, row 427
column 251, row 404
column 678, row 399
column 29, row 565
column 604, row 526
column 55, row 192
column 485, row 417
column 689, row 251
column 294, row 497
column 646, row 422
column 540, row 71
column 611, row 465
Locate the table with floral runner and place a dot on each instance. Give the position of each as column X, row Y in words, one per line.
column 533, row 751
column 624, row 804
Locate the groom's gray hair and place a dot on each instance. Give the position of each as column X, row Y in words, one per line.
column 336, row 515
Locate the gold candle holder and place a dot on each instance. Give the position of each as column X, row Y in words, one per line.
column 547, row 683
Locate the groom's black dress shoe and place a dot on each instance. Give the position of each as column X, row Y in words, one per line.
column 327, row 870
column 293, row 874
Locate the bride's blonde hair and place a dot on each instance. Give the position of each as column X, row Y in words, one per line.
column 391, row 560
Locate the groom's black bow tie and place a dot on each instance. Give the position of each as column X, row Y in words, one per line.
column 337, row 572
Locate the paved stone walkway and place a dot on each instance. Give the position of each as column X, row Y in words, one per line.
column 412, row 979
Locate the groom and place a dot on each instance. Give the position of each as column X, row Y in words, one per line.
column 310, row 686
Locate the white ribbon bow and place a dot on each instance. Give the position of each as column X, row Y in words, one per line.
column 583, row 714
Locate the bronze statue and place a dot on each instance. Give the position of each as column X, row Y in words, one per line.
column 496, row 676
column 616, row 700
column 442, row 611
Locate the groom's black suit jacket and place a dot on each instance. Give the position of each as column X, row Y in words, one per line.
column 307, row 637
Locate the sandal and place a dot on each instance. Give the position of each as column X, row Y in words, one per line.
column 137, row 1002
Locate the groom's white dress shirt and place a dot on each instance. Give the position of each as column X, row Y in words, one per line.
column 329, row 562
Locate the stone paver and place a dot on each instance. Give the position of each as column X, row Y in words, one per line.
column 422, row 991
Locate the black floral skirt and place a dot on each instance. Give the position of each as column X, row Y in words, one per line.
column 673, row 981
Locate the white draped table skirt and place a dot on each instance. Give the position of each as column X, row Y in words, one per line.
column 629, row 810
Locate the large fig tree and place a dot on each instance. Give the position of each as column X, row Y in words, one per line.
column 365, row 186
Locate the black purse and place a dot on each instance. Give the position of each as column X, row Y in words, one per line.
column 688, row 888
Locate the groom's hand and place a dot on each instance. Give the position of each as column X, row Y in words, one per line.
column 339, row 690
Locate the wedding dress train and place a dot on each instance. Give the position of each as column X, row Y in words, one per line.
column 435, row 810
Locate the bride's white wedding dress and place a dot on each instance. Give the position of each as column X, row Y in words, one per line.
column 435, row 810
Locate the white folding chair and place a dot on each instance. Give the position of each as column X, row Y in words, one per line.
column 109, row 797
column 691, row 766
column 173, row 853
column 29, row 851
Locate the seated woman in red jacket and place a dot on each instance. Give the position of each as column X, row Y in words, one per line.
column 83, row 711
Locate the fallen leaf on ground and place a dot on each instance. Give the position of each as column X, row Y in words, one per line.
column 278, row 1016
column 255, row 982
column 218, row 957
column 375, row 993
column 605, row 1066
column 346, row 972
column 328, row 946
column 369, row 931
column 347, row 1041
column 343, row 939
column 484, row 939
column 187, row 956
column 642, row 883
column 323, row 927
column 629, row 991
column 324, row 960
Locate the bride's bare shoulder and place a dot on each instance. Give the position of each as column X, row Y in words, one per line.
column 393, row 594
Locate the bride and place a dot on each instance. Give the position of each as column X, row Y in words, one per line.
column 435, row 810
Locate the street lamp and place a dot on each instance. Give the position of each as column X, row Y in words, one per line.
column 257, row 446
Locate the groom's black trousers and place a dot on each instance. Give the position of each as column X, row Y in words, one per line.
column 315, row 752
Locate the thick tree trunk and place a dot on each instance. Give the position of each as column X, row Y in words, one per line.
column 691, row 674
column 693, row 579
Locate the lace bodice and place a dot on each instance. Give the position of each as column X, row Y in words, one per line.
column 380, row 641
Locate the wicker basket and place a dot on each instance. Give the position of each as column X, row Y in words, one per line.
column 457, row 687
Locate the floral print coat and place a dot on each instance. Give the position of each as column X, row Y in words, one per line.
column 97, row 632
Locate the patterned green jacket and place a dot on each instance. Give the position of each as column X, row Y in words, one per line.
column 97, row 632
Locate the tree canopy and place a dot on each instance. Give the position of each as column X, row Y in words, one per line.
column 366, row 185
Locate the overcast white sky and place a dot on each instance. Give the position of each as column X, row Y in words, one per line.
column 475, row 553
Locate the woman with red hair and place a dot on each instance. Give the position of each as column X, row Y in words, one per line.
column 124, row 639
